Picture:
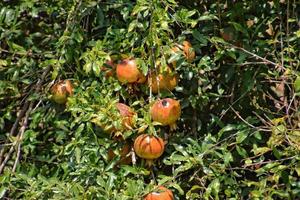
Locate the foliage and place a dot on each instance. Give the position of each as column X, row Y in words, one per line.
column 239, row 133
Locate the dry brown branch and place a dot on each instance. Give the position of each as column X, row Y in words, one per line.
column 26, row 110
column 20, row 138
column 258, row 57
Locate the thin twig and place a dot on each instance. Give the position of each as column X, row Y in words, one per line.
column 24, row 125
column 257, row 56
column 270, row 161
column 2, row 154
column 7, row 157
column 20, row 116
column 241, row 118
column 21, row 134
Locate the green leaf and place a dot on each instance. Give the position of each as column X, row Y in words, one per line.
column 297, row 84
column 241, row 136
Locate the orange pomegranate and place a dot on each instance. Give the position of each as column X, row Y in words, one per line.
column 108, row 68
column 166, row 111
column 127, row 115
column 125, row 158
column 161, row 193
column 149, row 147
column 187, row 49
column 128, row 120
column 128, row 72
column 165, row 81
column 61, row 91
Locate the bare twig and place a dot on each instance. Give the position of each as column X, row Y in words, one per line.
column 20, row 138
column 7, row 157
column 20, row 116
column 257, row 56
column 269, row 161
column 24, row 124
column 241, row 118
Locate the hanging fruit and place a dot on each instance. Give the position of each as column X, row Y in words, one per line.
column 187, row 49
column 109, row 68
column 161, row 193
column 165, row 81
column 166, row 111
column 61, row 91
column 125, row 158
column 128, row 72
column 127, row 115
column 149, row 147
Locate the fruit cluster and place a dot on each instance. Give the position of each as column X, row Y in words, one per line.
column 162, row 111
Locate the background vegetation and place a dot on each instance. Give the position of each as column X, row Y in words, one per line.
column 239, row 133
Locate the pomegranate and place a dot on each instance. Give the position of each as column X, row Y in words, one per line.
column 166, row 111
column 149, row 147
column 125, row 158
column 161, row 193
column 127, row 115
column 108, row 68
column 61, row 91
column 128, row 72
column 165, row 81
column 187, row 49
column 128, row 121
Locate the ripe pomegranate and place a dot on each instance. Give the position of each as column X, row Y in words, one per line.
column 165, row 81
column 125, row 159
column 128, row 121
column 187, row 49
column 166, row 111
column 161, row 193
column 149, row 147
column 109, row 68
column 127, row 115
column 128, row 72
column 61, row 91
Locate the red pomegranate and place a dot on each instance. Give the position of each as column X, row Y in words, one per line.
column 61, row 91
column 165, row 81
column 127, row 115
column 128, row 120
column 125, row 158
column 128, row 72
column 166, row 111
column 149, row 147
column 108, row 68
column 161, row 193
column 187, row 49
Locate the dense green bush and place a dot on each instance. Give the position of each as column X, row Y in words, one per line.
column 239, row 133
